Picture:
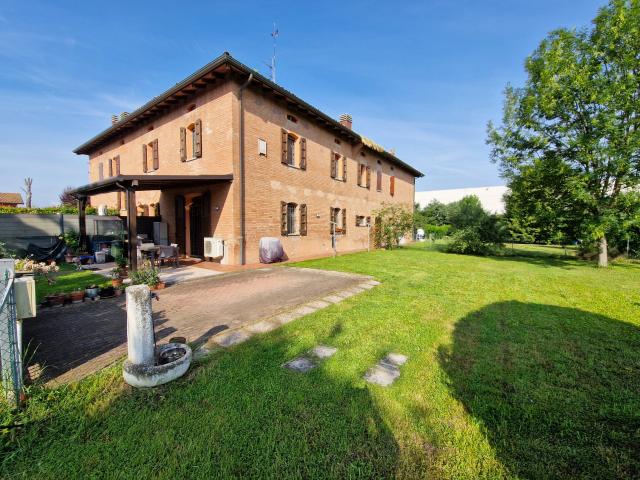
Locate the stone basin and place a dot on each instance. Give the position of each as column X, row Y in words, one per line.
column 180, row 355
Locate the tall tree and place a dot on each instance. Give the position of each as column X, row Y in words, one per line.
column 580, row 107
column 28, row 182
column 67, row 199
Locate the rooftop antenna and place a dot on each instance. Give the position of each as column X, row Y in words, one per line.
column 272, row 65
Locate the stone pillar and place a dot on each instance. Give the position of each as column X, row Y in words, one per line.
column 140, row 336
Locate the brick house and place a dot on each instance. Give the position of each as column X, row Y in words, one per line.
column 227, row 153
column 10, row 199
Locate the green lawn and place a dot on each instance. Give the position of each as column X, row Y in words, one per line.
column 520, row 367
column 68, row 279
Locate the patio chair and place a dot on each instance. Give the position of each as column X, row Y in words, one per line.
column 169, row 253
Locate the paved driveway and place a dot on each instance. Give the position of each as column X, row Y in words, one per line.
column 71, row 342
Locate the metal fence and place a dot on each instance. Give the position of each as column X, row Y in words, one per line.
column 10, row 360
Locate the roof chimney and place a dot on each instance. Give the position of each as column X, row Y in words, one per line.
column 114, row 119
column 346, row 120
column 124, row 115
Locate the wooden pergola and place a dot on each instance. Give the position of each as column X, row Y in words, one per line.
column 130, row 184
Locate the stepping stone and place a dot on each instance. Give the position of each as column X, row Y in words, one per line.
column 387, row 370
column 232, row 338
column 323, row 351
column 396, row 359
column 300, row 364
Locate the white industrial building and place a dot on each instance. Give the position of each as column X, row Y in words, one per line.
column 491, row 198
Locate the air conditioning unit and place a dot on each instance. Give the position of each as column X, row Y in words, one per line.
column 213, row 247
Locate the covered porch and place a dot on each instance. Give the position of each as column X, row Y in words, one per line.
column 130, row 184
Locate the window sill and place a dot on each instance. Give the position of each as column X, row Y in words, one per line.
column 295, row 167
column 339, row 180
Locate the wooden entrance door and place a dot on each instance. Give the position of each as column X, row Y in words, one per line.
column 200, row 223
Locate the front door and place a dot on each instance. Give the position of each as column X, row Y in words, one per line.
column 197, row 231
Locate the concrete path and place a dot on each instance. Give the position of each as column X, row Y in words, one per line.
column 70, row 342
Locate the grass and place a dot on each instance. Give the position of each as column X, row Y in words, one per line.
column 66, row 280
column 520, row 367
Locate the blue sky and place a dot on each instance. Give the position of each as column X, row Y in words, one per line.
column 421, row 77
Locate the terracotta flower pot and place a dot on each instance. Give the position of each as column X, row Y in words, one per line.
column 56, row 300
column 158, row 286
column 77, row 296
column 116, row 282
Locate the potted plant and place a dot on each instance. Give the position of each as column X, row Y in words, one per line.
column 56, row 299
column 116, row 277
column 107, row 292
column 77, row 296
column 121, row 264
column 118, row 290
column 72, row 240
column 92, row 291
column 147, row 275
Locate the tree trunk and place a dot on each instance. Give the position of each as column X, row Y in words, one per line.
column 603, row 255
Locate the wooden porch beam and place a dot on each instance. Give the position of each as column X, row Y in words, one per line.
column 132, row 234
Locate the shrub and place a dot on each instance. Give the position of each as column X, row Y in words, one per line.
column 67, row 210
column 392, row 223
column 469, row 242
column 147, row 275
column 72, row 240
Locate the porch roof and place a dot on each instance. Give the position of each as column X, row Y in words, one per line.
column 149, row 182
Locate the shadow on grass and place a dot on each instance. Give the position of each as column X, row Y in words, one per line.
column 556, row 390
column 238, row 414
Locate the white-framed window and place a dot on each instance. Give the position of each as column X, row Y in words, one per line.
column 292, row 222
column 291, row 150
column 262, row 147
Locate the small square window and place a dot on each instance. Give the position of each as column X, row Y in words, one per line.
column 262, row 147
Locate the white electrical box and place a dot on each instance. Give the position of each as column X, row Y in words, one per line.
column 25, row 296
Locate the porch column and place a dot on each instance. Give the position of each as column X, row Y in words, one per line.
column 132, row 239
column 82, row 223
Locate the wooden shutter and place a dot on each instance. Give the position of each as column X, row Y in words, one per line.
column 379, row 181
column 344, row 169
column 180, row 222
column 359, row 174
column 303, row 154
column 117, row 161
column 156, row 156
column 331, row 220
column 197, row 148
column 344, row 221
column 303, row 219
column 118, row 200
column 334, row 165
column 144, row 159
column 392, row 185
column 368, row 177
column 285, row 137
column 111, row 167
column 283, row 218
column 100, row 171
column 183, row 145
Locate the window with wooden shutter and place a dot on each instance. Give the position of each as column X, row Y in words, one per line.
column 360, row 174
column 283, row 218
column 379, row 180
column 392, row 185
column 197, row 139
column 334, row 165
column 156, row 156
column 285, row 141
column 303, row 219
column 117, row 161
column 344, row 169
column 332, row 220
column 303, row 154
column 144, row 159
column 183, row 144
column 368, row 177
column 111, row 167
column 100, row 171
column 344, row 221
column 118, row 200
